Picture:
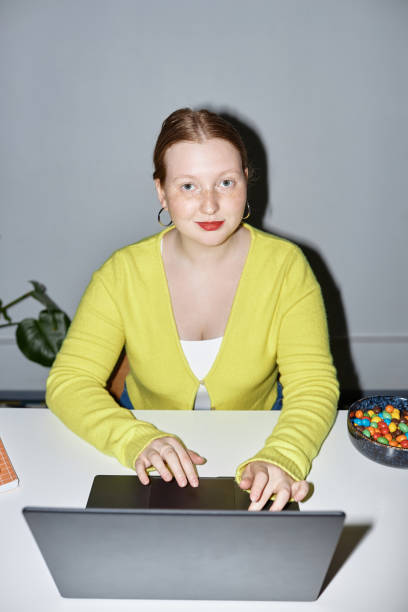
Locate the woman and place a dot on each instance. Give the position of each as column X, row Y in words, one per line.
column 246, row 301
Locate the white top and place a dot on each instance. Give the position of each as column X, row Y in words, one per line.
column 200, row 355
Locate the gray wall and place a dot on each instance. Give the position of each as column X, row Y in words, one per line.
column 319, row 86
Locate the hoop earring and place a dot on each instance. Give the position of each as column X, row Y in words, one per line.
column 158, row 218
column 249, row 211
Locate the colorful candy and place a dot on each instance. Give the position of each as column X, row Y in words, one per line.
column 388, row 426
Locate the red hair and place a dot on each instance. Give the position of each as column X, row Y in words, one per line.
column 186, row 124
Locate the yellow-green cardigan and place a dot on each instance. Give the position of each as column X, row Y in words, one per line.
column 277, row 323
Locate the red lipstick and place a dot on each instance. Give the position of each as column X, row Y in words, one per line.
column 210, row 226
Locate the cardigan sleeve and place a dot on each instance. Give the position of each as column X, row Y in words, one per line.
column 307, row 375
column 76, row 386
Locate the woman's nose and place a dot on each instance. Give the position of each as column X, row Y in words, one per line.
column 209, row 203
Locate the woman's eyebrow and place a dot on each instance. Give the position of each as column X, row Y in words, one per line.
column 192, row 176
column 184, row 176
column 230, row 171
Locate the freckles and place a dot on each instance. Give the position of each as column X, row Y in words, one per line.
column 182, row 208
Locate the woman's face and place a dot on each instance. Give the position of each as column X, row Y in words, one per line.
column 205, row 189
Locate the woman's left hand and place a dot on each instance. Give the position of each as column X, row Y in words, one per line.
column 265, row 479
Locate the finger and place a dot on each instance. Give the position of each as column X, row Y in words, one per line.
column 143, row 462
column 195, row 457
column 141, row 472
column 158, row 463
column 170, row 458
column 183, row 465
column 265, row 497
column 260, row 481
column 245, row 483
column 281, row 499
column 300, row 490
column 186, row 463
column 247, row 477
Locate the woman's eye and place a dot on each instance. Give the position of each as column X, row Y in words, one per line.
column 187, row 187
column 227, row 183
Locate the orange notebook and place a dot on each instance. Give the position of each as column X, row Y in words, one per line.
column 8, row 477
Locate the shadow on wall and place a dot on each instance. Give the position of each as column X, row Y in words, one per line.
column 258, row 194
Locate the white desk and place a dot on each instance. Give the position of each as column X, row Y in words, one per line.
column 56, row 468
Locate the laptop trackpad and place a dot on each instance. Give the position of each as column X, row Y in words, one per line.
column 127, row 492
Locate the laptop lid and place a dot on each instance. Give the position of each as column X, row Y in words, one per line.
column 186, row 554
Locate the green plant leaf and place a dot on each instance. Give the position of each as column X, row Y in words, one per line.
column 40, row 294
column 40, row 339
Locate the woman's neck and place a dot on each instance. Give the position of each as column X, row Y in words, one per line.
column 202, row 255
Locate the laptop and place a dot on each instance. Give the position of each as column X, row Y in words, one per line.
column 161, row 541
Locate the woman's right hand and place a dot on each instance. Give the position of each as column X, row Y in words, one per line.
column 169, row 457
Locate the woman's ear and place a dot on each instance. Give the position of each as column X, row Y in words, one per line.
column 160, row 193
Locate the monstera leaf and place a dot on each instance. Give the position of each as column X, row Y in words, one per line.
column 40, row 293
column 40, row 339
